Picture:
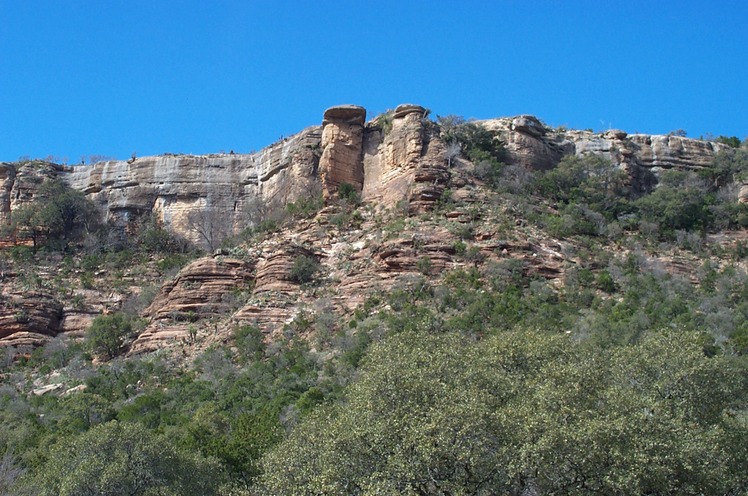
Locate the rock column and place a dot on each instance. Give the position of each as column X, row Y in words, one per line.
column 342, row 148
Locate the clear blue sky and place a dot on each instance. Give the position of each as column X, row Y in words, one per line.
column 106, row 77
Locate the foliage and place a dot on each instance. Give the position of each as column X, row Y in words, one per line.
column 523, row 413
column 478, row 143
column 306, row 206
column 681, row 201
column 10, row 472
column 152, row 237
column 385, row 120
column 58, row 216
column 108, row 333
column 589, row 179
column 732, row 141
column 304, row 269
column 122, row 458
column 347, row 192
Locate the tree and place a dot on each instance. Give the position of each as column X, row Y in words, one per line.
column 588, row 179
column 57, row 215
column 211, row 224
column 681, row 201
column 119, row 458
column 153, row 237
column 108, row 333
column 524, row 413
column 731, row 141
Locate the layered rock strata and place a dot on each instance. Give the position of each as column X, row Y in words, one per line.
column 29, row 319
column 397, row 161
column 223, row 187
column 534, row 146
column 342, row 148
column 207, row 288
column 404, row 161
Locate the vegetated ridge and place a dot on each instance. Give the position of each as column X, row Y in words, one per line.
column 453, row 307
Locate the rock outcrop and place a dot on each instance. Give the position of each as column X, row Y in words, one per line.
column 342, row 148
column 399, row 158
column 207, row 288
column 404, row 161
column 396, row 161
column 534, row 146
column 19, row 182
column 221, row 186
column 29, row 319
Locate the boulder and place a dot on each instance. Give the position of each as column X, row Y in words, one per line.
column 529, row 125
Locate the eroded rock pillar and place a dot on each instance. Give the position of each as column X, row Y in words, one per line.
column 342, row 148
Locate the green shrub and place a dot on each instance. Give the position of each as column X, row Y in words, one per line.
column 108, row 333
column 124, row 458
column 478, row 143
column 385, row 121
column 605, row 282
column 732, row 141
column 304, row 207
column 681, row 201
column 57, row 216
column 423, row 265
column 304, row 269
column 348, row 193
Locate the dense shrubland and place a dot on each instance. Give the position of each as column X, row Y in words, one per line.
column 622, row 378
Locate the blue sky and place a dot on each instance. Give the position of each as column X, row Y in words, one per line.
column 105, row 77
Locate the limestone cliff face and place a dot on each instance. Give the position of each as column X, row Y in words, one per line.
column 398, row 161
column 532, row 145
column 405, row 162
column 172, row 186
column 19, row 182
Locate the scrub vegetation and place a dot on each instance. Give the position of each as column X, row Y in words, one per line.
column 620, row 378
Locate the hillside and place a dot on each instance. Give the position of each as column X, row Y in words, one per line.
column 400, row 306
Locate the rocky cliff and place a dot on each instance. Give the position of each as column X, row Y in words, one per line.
column 396, row 162
column 533, row 145
column 222, row 185
column 403, row 160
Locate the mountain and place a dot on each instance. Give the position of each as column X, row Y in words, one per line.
column 245, row 291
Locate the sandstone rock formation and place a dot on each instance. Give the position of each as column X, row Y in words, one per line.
column 405, row 162
column 19, row 182
column 532, row 145
column 342, row 142
column 205, row 289
column 28, row 319
column 222, row 185
column 398, row 161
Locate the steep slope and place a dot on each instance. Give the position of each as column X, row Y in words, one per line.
column 397, row 163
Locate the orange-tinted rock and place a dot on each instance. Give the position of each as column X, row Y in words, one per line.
column 207, row 288
column 29, row 318
column 342, row 148
column 405, row 163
